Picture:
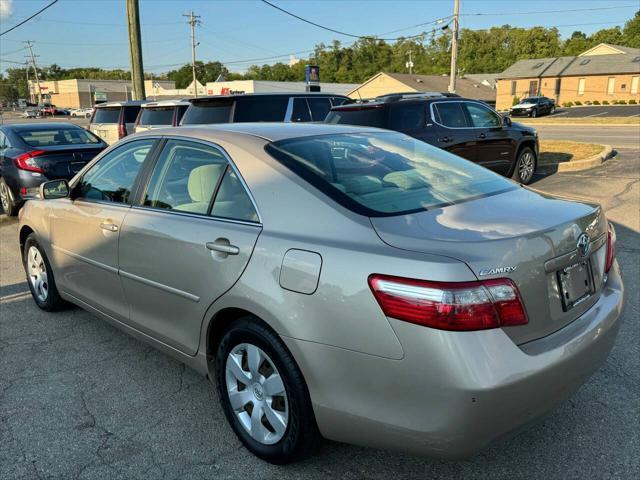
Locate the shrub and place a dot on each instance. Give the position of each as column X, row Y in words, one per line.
column 587, row 102
column 596, row 102
column 614, row 102
column 633, row 101
column 605, row 102
column 622, row 102
column 578, row 103
column 516, row 100
column 567, row 104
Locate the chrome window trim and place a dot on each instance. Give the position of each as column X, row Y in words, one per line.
column 200, row 216
column 231, row 164
column 433, row 117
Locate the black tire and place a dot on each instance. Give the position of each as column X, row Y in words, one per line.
column 9, row 205
column 53, row 301
column 534, row 113
column 520, row 173
column 301, row 435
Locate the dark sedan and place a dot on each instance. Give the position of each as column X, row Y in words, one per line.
column 34, row 153
column 533, row 107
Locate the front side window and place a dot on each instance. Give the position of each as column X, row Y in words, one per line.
column 382, row 174
column 185, row 177
column 482, row 117
column 450, row 114
column 111, row 179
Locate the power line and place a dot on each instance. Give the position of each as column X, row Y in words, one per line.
column 485, row 14
column 332, row 29
column 29, row 18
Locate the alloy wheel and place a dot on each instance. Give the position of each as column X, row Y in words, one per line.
column 257, row 393
column 37, row 271
column 4, row 196
column 526, row 167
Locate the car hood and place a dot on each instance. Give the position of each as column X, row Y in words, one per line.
column 524, row 105
column 520, row 229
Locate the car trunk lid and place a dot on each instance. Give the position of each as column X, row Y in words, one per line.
column 65, row 161
column 520, row 234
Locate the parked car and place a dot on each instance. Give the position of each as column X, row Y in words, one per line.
column 82, row 112
column 31, row 153
column 468, row 128
column 167, row 113
column 533, row 107
column 30, row 113
column 112, row 121
column 336, row 280
column 261, row 107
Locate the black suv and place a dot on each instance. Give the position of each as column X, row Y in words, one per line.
column 533, row 107
column 261, row 107
column 468, row 128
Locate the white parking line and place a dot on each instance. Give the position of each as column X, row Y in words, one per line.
column 596, row 114
column 636, row 115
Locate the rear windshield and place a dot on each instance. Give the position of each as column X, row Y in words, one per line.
column 367, row 117
column 107, row 115
column 57, row 136
column 383, row 174
column 157, row 116
column 202, row 113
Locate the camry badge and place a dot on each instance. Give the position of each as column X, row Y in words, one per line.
column 583, row 245
column 496, row 270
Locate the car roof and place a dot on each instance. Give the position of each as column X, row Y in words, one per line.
column 400, row 101
column 40, row 126
column 271, row 132
column 130, row 103
column 272, row 94
column 166, row 103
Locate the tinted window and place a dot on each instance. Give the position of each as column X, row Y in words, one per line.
column 57, row 136
column 385, row 173
column 482, row 116
column 131, row 113
column 157, row 116
column 185, row 177
column 368, row 117
column 407, row 116
column 319, row 108
column 450, row 114
column 261, row 109
column 181, row 110
column 3, row 141
column 203, row 113
column 107, row 115
column 337, row 101
column 300, row 111
column 529, row 100
column 112, row 178
column 232, row 200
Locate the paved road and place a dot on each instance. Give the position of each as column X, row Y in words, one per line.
column 599, row 111
column 79, row 399
column 622, row 137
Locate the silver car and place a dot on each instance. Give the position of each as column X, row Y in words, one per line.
column 335, row 281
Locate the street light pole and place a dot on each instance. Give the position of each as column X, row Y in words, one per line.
column 135, row 50
column 454, row 46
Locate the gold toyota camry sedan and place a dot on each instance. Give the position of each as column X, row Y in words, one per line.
column 335, row 281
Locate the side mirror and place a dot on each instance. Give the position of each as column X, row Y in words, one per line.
column 506, row 121
column 54, row 189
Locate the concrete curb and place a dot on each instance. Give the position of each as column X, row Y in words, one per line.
column 587, row 163
column 533, row 124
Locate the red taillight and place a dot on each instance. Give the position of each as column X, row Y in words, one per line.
column 450, row 305
column 26, row 161
column 122, row 131
column 611, row 248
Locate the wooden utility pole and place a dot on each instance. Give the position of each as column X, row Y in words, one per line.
column 454, row 46
column 29, row 44
column 193, row 21
column 409, row 64
column 135, row 50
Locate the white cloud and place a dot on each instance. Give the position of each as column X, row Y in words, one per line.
column 6, row 8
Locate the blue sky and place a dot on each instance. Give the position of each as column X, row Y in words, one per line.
column 94, row 33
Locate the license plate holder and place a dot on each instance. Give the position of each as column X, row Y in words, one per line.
column 576, row 284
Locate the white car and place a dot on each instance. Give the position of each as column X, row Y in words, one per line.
column 30, row 114
column 82, row 112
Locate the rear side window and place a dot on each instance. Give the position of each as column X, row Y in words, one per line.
column 407, row 116
column 180, row 113
column 107, row 115
column 204, row 113
column 261, row 109
column 131, row 113
column 157, row 116
column 367, row 117
column 337, row 101
column 300, row 111
column 57, row 136
column 232, row 200
column 450, row 114
column 319, row 108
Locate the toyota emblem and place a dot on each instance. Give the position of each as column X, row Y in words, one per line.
column 583, row 245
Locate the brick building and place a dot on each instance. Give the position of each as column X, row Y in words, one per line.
column 604, row 72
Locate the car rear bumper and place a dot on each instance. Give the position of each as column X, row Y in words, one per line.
column 454, row 392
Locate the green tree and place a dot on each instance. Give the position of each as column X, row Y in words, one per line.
column 631, row 32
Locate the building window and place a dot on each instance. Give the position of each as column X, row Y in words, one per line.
column 513, row 87
column 533, row 87
column 557, row 87
column 581, row 82
column 611, row 85
column 634, row 84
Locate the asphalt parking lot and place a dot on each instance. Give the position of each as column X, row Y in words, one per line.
column 81, row 400
column 599, row 111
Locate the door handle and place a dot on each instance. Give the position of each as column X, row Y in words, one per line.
column 444, row 139
column 223, row 247
column 110, row 227
column 482, row 135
